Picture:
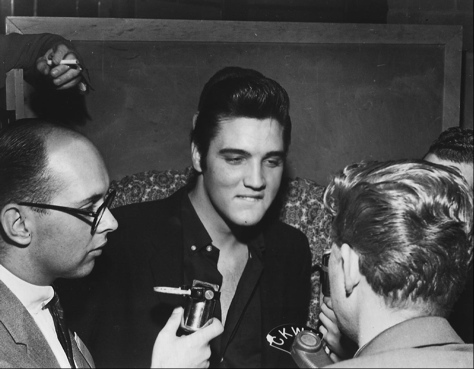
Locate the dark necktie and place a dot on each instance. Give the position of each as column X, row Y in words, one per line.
column 56, row 311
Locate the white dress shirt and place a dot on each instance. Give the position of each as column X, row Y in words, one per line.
column 34, row 298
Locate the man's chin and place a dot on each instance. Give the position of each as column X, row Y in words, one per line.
column 248, row 221
column 84, row 271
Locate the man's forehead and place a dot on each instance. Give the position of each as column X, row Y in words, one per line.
column 242, row 131
column 78, row 167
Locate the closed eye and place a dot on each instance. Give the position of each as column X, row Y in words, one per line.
column 234, row 160
column 91, row 209
column 274, row 162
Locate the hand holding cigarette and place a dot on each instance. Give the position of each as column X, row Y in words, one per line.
column 62, row 65
column 69, row 62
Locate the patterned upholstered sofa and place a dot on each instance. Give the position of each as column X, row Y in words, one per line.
column 300, row 205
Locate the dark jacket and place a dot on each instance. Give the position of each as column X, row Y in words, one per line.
column 121, row 315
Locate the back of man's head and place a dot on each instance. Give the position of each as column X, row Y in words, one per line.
column 410, row 222
column 454, row 144
column 454, row 147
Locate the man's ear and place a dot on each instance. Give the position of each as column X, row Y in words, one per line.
column 196, row 157
column 350, row 265
column 15, row 225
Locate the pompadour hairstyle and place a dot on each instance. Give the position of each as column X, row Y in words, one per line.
column 235, row 92
column 454, row 144
column 411, row 223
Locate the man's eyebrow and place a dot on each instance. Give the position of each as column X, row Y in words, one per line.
column 91, row 199
column 279, row 153
column 234, row 151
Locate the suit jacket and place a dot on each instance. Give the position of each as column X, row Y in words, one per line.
column 123, row 315
column 425, row 342
column 22, row 345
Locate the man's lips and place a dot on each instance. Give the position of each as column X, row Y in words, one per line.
column 251, row 198
column 99, row 249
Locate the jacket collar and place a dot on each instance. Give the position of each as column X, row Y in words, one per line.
column 24, row 330
column 411, row 333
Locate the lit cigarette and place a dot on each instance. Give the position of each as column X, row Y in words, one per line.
column 172, row 290
column 64, row 62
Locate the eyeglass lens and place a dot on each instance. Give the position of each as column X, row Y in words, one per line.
column 107, row 202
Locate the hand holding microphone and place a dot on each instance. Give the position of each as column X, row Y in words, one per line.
column 191, row 351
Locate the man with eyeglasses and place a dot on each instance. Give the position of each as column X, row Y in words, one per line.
column 55, row 220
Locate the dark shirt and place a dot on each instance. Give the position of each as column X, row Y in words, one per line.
column 118, row 314
column 240, row 344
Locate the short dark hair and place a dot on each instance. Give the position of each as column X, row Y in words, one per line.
column 454, row 144
column 239, row 92
column 411, row 222
column 24, row 161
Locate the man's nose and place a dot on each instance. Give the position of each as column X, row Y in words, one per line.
column 108, row 223
column 255, row 177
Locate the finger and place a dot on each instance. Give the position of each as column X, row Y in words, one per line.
column 325, row 320
column 70, row 84
column 328, row 301
column 174, row 321
column 210, row 331
column 68, row 79
column 42, row 63
column 61, row 52
column 42, row 66
column 323, row 330
column 330, row 325
column 328, row 312
column 65, row 72
column 334, row 357
column 331, row 334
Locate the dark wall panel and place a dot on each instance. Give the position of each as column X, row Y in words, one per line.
column 358, row 92
column 347, row 103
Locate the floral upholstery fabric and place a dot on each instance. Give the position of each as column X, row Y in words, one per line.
column 302, row 207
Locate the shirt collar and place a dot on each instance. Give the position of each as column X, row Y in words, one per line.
column 33, row 297
column 194, row 233
column 196, row 236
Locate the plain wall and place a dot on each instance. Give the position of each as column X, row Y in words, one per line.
column 358, row 92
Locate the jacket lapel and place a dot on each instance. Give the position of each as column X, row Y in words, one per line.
column 24, row 331
column 168, row 241
column 82, row 356
column 273, row 283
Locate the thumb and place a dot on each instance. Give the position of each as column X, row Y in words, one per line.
column 174, row 320
column 59, row 53
column 213, row 329
column 42, row 66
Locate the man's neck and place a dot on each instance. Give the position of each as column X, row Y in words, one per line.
column 19, row 264
column 375, row 317
column 223, row 235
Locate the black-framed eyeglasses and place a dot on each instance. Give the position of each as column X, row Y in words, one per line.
column 97, row 215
